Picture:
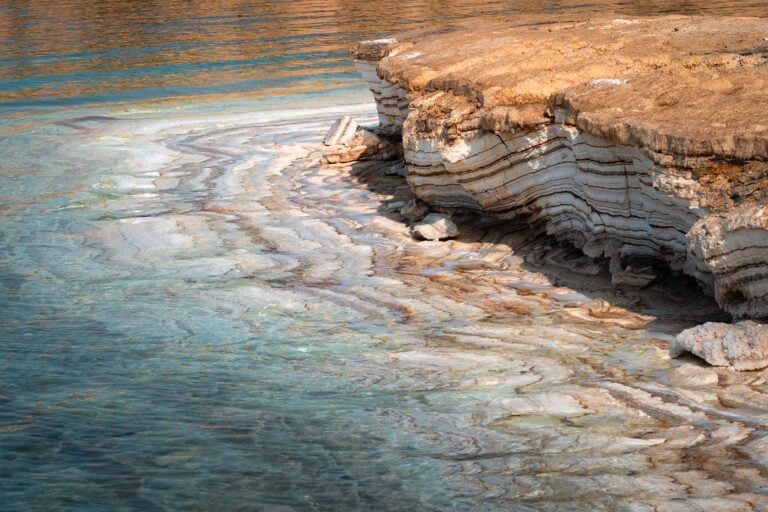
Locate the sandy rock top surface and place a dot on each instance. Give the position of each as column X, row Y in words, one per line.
column 693, row 86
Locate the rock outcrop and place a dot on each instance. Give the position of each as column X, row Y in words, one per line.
column 635, row 140
column 435, row 226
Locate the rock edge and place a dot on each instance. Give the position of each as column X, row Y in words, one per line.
column 632, row 139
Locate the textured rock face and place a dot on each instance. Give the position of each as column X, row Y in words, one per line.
column 632, row 139
column 728, row 250
column 391, row 99
column 743, row 346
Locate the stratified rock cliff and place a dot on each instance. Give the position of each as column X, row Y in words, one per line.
column 638, row 140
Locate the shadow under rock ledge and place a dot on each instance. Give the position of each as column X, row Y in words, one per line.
column 671, row 303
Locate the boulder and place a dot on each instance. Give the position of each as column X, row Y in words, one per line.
column 435, row 226
column 341, row 132
column 743, row 346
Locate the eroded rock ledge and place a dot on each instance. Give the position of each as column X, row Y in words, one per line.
column 638, row 140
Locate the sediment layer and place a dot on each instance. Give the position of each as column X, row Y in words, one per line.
column 636, row 140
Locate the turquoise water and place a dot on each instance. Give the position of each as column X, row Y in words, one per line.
column 195, row 317
column 143, row 370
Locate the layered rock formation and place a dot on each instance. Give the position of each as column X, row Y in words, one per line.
column 637, row 140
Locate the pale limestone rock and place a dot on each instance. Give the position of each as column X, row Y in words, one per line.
column 732, row 248
column 744, row 346
column 341, row 132
column 362, row 145
column 435, row 226
column 391, row 100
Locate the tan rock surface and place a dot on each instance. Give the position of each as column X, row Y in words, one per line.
column 661, row 72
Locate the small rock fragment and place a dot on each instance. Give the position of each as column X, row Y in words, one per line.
column 394, row 206
column 743, row 346
column 363, row 145
column 341, row 132
column 435, row 226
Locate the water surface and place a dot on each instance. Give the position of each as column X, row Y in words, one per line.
column 71, row 51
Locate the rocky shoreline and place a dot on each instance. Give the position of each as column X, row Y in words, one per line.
column 499, row 367
column 613, row 135
column 640, row 141
column 573, row 401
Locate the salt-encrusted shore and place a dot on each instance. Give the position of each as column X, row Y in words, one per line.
column 501, row 363
column 642, row 140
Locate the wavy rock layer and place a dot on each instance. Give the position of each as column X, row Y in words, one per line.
column 632, row 139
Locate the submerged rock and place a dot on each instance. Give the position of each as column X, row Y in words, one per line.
column 435, row 226
column 637, row 138
column 743, row 346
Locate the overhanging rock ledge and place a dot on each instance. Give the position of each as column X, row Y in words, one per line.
column 638, row 140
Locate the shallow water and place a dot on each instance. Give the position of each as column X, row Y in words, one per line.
column 195, row 315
